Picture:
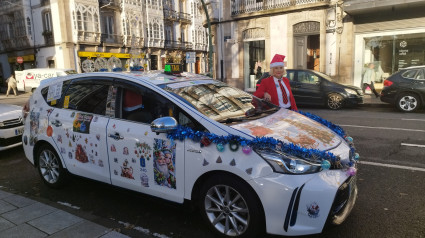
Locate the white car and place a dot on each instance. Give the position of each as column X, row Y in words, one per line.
column 11, row 126
column 248, row 165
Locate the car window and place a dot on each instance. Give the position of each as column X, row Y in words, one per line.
column 420, row 75
column 410, row 74
column 54, row 103
column 307, row 77
column 87, row 97
column 290, row 75
column 141, row 104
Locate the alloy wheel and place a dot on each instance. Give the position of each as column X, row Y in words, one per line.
column 335, row 101
column 408, row 103
column 49, row 166
column 227, row 210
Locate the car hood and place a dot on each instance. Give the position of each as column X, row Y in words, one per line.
column 9, row 112
column 292, row 127
column 350, row 86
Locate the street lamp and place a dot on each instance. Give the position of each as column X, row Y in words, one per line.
column 209, row 39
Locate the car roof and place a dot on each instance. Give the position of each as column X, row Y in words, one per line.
column 156, row 77
column 414, row 67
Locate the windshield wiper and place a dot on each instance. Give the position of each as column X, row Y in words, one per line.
column 232, row 119
column 253, row 112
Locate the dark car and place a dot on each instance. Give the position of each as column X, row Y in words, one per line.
column 405, row 89
column 314, row 88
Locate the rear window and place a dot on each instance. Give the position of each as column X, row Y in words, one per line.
column 410, row 74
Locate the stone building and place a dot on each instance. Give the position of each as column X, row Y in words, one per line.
column 334, row 37
column 64, row 33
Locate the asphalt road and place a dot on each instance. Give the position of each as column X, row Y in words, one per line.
column 391, row 178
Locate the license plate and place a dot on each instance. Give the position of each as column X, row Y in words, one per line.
column 19, row 131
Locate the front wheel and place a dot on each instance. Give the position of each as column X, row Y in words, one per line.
column 50, row 167
column 231, row 207
column 335, row 101
column 408, row 103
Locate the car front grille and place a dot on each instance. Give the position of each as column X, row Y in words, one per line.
column 10, row 141
column 12, row 123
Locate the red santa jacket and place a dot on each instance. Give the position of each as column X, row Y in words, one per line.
column 268, row 86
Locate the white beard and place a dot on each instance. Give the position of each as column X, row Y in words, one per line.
column 163, row 169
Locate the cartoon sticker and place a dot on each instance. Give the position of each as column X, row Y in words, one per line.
column 126, row 171
column 313, row 210
column 80, row 154
column 164, row 163
column 82, row 123
column 66, row 102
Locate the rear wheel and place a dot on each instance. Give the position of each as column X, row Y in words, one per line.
column 335, row 101
column 408, row 103
column 50, row 167
column 230, row 207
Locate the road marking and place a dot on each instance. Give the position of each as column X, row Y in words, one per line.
column 415, row 145
column 383, row 128
column 405, row 119
column 392, row 166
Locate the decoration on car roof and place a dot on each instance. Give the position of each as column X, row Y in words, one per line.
column 88, row 65
column 114, row 64
column 173, row 69
column 101, row 64
column 327, row 159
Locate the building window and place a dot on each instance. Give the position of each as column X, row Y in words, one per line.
column 29, row 26
column 87, row 21
column 155, row 31
column 47, row 21
column 108, row 25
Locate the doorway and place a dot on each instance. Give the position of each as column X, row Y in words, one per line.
column 154, row 62
column 307, row 45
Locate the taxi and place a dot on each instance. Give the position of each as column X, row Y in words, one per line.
column 248, row 165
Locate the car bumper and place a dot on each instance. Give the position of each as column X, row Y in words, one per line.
column 305, row 206
column 354, row 100
column 11, row 137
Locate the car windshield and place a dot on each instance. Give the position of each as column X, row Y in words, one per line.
column 220, row 101
column 325, row 76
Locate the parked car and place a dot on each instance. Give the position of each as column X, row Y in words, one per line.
column 189, row 137
column 315, row 88
column 28, row 80
column 405, row 89
column 11, row 126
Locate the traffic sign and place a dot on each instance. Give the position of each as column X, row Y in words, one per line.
column 19, row 60
column 190, row 57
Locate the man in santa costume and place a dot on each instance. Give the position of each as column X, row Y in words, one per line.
column 276, row 88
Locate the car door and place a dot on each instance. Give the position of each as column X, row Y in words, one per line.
column 307, row 88
column 78, row 126
column 140, row 159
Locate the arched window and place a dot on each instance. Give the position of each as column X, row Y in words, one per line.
column 155, row 31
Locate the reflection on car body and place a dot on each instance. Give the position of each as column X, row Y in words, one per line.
column 311, row 87
column 189, row 137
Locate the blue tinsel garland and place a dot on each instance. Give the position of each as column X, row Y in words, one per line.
column 182, row 133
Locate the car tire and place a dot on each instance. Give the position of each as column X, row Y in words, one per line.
column 50, row 167
column 244, row 217
column 408, row 102
column 335, row 101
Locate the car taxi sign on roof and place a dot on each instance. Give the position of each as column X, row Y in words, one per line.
column 173, row 68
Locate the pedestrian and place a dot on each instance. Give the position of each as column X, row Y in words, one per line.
column 369, row 79
column 11, row 84
column 276, row 88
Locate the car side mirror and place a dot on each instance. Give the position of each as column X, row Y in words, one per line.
column 163, row 125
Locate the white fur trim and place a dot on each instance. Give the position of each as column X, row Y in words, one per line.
column 275, row 64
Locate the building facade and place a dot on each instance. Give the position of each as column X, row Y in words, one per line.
column 70, row 33
column 331, row 36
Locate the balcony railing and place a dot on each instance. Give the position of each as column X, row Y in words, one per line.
column 155, row 43
column 48, row 39
column 200, row 47
column 185, row 18
column 93, row 37
column 187, row 45
column 133, row 41
column 112, row 39
column 169, row 44
column 249, row 6
column 171, row 15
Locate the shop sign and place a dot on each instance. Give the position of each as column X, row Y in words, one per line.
column 102, row 54
column 24, row 58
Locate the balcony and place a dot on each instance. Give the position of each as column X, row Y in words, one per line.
column 200, row 47
column 155, row 43
column 89, row 37
column 185, row 18
column 171, row 15
column 111, row 4
column 112, row 39
column 187, row 45
column 172, row 45
column 133, row 41
column 241, row 7
column 363, row 7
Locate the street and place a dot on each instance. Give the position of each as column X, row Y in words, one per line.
column 390, row 175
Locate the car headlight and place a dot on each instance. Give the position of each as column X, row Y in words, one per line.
column 1, row 124
column 350, row 91
column 288, row 164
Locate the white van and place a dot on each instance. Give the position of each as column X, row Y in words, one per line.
column 28, row 80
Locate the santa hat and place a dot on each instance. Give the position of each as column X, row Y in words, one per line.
column 277, row 61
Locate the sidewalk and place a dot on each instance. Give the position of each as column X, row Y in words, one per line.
column 21, row 217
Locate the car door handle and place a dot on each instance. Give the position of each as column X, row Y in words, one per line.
column 56, row 123
column 195, row 151
column 116, row 136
